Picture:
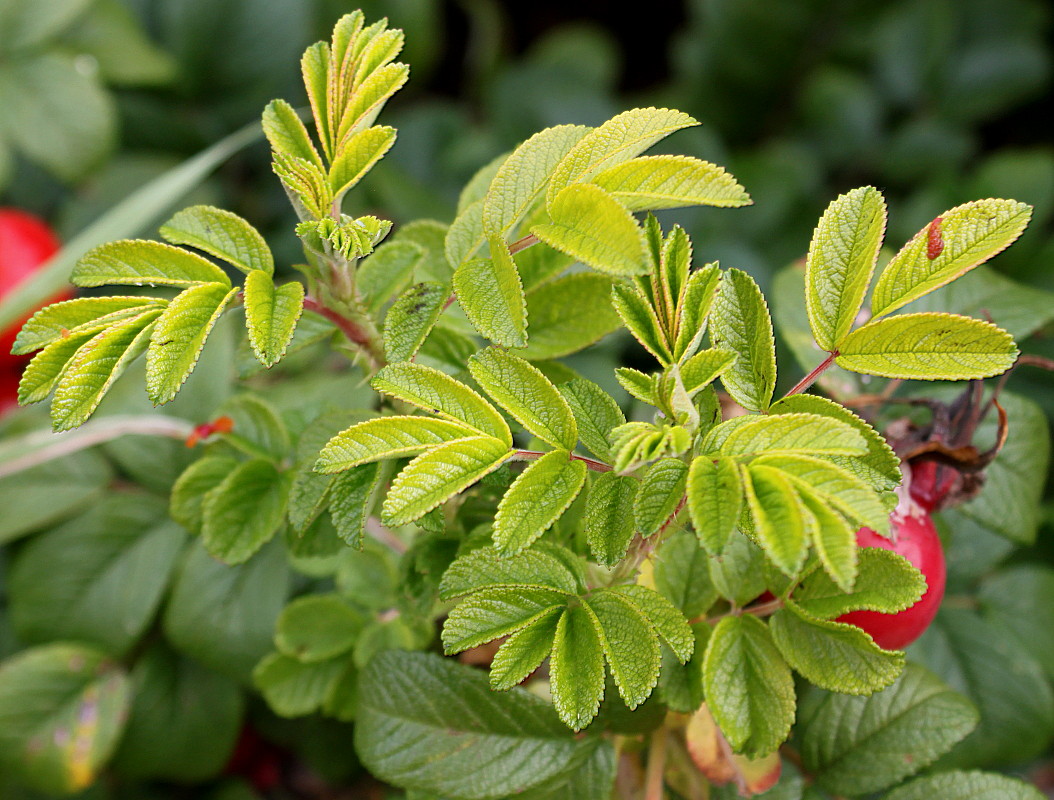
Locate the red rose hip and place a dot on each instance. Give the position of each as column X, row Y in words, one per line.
column 26, row 242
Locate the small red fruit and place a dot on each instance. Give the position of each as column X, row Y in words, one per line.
column 914, row 537
column 26, row 242
column 930, row 483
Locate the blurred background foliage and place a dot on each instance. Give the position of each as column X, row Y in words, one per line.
column 936, row 102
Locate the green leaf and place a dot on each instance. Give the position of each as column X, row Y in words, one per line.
column 193, row 484
column 715, row 498
column 537, row 499
column 432, row 725
column 1003, row 679
column 740, row 322
column 841, row 260
column 523, row 652
column 568, row 314
column 591, row 225
column 576, row 668
column 49, row 365
column 660, row 496
column 629, row 645
column 885, row 582
column 352, row 497
column 682, row 574
column 928, row 347
column 59, row 321
column 411, row 318
column 221, row 234
column 223, row 616
column 293, row 688
column 26, row 27
column 140, row 262
column 370, row 96
column 608, row 518
column 701, row 369
column 465, row 236
column 654, row 182
column 858, row 745
column 834, row 539
column 793, row 433
column 358, row 154
column 99, row 578
column 596, row 414
column 491, row 294
column 437, row 475
column 694, row 308
column 492, row 613
column 287, row 134
column 387, row 437
column 778, row 514
column 832, row 655
column 316, row 627
column 314, row 67
column 638, row 385
column 62, row 713
column 435, row 391
column 523, row 391
column 485, row 567
column 739, row 573
column 523, row 176
column 1020, row 599
column 243, row 512
column 179, row 336
column 184, row 720
column 748, row 686
column 964, row 237
column 386, row 271
column 90, row 373
column 956, row 785
column 669, row 623
column 258, row 429
column 639, row 317
column 271, row 314
column 621, row 138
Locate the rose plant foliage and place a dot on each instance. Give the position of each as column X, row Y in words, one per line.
column 690, row 589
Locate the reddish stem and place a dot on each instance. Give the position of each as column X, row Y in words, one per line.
column 810, row 379
column 348, row 327
column 523, row 244
column 530, row 455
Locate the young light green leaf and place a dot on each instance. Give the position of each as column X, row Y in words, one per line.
column 308, row 183
column 485, row 567
column 778, row 515
column 491, row 294
column 60, row 320
column 140, row 262
column 591, row 225
column 577, row 668
column 608, row 518
column 596, row 414
column 640, row 318
column 841, row 260
column 629, row 644
column 179, row 336
column 438, row 474
column 271, row 314
column 524, row 651
column 660, row 495
column 637, row 384
column 537, row 499
column 48, row 366
column 93, row 368
column 314, row 67
column 833, row 655
column 928, row 347
column 715, row 497
column 221, row 234
column 492, row 613
column 523, row 176
column 858, row 745
column 316, row 627
column 357, row 156
column 702, row 368
column 411, row 318
column 369, row 97
column 748, row 686
column 654, row 182
column 465, row 236
column 522, row 390
column 885, row 582
column 621, row 138
column 668, row 621
column 555, row 316
column 387, row 437
column 955, row 242
column 740, row 322
column 436, row 391
column 352, row 497
column 293, row 688
column 244, row 512
column 834, row 539
column 286, row 133
column 959, row 785
column 694, row 309
column 809, row 433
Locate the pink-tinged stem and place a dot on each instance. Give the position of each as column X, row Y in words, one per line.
column 523, row 244
column 810, row 379
column 530, row 455
column 348, row 327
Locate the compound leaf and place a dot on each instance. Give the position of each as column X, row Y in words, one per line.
column 61, row 320
column 524, row 651
column 492, row 613
column 668, row 621
column 271, row 314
